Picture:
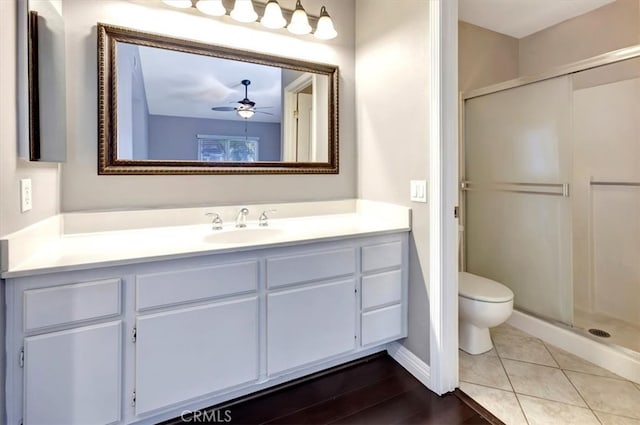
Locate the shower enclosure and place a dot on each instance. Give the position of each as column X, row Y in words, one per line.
column 550, row 189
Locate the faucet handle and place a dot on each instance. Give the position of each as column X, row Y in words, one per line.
column 241, row 218
column 216, row 222
column 263, row 220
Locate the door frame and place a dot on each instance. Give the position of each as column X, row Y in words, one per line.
column 443, row 189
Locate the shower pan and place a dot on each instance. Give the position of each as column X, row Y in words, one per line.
column 550, row 193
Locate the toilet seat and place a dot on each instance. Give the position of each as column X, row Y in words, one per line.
column 480, row 288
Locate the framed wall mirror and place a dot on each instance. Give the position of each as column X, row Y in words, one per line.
column 173, row 106
column 42, row 119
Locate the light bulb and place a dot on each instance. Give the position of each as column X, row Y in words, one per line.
column 243, row 11
column 182, row 4
column 299, row 21
column 211, row 7
column 272, row 17
column 325, row 29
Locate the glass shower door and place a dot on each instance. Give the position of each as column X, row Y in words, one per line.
column 517, row 166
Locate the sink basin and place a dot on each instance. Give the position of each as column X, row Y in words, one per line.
column 259, row 234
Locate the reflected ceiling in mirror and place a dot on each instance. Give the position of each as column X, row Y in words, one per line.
column 171, row 106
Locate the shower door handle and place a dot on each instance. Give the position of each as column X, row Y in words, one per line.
column 518, row 187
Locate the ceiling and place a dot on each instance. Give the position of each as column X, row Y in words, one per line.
column 519, row 18
column 189, row 85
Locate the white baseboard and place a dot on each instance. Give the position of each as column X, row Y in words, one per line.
column 412, row 363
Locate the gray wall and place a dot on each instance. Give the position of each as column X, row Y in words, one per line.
column 83, row 189
column 485, row 57
column 175, row 137
column 392, row 73
column 44, row 176
column 608, row 28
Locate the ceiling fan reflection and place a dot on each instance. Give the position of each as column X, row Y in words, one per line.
column 245, row 108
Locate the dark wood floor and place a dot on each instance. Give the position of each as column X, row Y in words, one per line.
column 374, row 391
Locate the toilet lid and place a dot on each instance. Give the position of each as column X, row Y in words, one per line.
column 482, row 289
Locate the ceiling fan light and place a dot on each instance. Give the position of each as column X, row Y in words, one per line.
column 245, row 113
column 272, row 17
column 243, row 11
column 299, row 21
column 325, row 29
column 211, row 7
column 182, row 4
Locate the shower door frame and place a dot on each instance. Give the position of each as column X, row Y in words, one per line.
column 608, row 58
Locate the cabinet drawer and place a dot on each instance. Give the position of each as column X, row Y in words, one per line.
column 175, row 287
column 381, row 289
column 292, row 269
column 382, row 256
column 73, row 303
column 381, row 325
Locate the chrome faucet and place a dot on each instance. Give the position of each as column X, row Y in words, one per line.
column 216, row 222
column 263, row 220
column 241, row 219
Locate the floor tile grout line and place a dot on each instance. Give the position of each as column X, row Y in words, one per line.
column 565, row 404
column 619, row 378
column 551, row 354
column 529, row 362
column 572, row 384
column 478, row 356
column 566, row 377
column 615, row 414
column 588, row 405
column 593, row 374
column 487, row 386
column 524, row 415
column 565, row 372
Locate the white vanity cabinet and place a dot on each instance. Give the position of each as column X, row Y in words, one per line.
column 146, row 341
column 317, row 289
column 192, row 350
column 383, row 292
column 73, row 376
column 69, row 351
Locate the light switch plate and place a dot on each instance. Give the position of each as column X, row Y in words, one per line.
column 418, row 190
column 26, row 202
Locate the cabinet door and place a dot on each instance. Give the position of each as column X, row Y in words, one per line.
column 308, row 324
column 191, row 352
column 73, row 376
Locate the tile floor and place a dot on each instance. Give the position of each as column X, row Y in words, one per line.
column 526, row 381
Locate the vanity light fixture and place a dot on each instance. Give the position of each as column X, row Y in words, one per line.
column 271, row 15
column 243, row 11
column 325, row 29
column 299, row 21
column 211, row 7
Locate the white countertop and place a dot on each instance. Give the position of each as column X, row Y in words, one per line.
column 48, row 247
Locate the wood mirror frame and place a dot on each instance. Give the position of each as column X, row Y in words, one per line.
column 108, row 161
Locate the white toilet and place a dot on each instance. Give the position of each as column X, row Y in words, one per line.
column 482, row 304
